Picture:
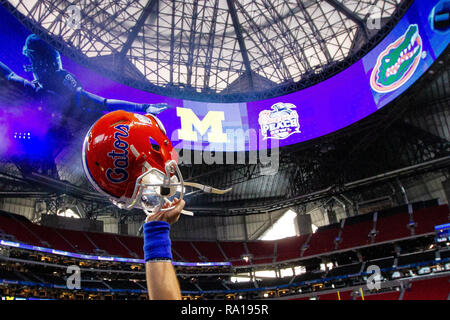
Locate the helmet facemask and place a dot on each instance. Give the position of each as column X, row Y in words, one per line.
column 153, row 176
column 154, row 188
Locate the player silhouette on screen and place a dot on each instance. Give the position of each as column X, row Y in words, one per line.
column 54, row 86
column 56, row 101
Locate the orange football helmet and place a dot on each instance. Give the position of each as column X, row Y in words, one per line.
column 128, row 158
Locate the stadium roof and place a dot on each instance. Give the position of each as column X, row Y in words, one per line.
column 411, row 132
column 218, row 47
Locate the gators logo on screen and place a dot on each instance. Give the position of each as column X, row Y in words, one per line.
column 398, row 62
column 280, row 122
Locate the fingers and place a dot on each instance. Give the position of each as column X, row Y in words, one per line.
column 179, row 204
column 170, row 216
column 156, row 209
column 170, row 204
column 167, row 205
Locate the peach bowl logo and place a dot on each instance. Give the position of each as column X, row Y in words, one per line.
column 280, row 122
column 398, row 62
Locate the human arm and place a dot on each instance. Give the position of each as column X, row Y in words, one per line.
column 15, row 81
column 5, row 71
column 92, row 101
column 162, row 282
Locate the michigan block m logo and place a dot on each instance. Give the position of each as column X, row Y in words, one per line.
column 213, row 120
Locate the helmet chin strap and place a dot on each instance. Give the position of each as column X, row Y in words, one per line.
column 186, row 212
column 206, row 189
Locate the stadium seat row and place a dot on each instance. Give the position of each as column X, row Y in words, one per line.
column 428, row 289
column 371, row 228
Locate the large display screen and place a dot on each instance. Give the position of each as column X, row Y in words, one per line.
column 365, row 87
column 42, row 112
column 442, row 232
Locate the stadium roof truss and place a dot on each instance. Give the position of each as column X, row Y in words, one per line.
column 211, row 46
column 404, row 141
column 217, row 49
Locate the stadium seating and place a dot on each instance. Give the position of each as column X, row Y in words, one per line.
column 48, row 278
column 356, row 232
column 382, row 263
column 391, row 224
column 241, row 285
column 134, row 244
column 234, row 251
column 33, row 277
column 427, row 218
column 13, row 227
column 186, row 285
column 210, row 284
column 51, row 237
column 323, row 240
column 9, row 275
column 78, row 240
column 267, row 283
column 109, row 243
column 262, row 251
column 210, row 250
column 394, row 295
column 416, row 258
column 429, row 289
column 290, row 248
column 124, row 285
column 186, row 251
column 94, row 285
column 309, row 276
column 345, row 295
column 354, row 268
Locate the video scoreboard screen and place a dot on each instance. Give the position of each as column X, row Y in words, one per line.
column 442, row 232
column 375, row 80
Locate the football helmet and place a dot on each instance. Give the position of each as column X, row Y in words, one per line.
column 128, row 158
column 43, row 57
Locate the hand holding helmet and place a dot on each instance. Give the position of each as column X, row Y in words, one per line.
column 129, row 158
column 171, row 216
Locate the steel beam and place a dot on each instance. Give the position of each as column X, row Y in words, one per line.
column 240, row 39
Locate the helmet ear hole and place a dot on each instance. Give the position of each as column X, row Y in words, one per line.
column 165, row 191
column 154, row 144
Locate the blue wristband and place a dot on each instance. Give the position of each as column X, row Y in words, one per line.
column 157, row 245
